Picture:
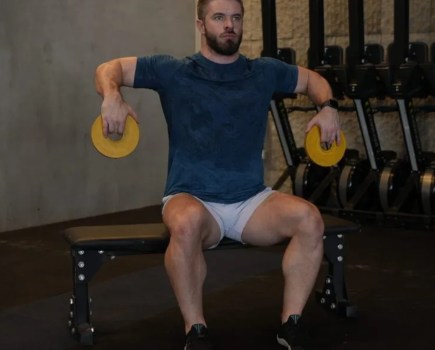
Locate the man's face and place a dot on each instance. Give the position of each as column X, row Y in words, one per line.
column 223, row 26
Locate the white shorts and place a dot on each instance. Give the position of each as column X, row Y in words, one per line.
column 232, row 218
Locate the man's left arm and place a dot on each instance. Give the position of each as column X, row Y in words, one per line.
column 318, row 91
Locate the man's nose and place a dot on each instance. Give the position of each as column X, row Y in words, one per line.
column 229, row 24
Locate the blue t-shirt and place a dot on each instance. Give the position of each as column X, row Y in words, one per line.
column 216, row 116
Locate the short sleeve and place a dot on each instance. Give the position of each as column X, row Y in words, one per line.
column 285, row 75
column 153, row 71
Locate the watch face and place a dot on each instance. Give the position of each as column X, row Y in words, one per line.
column 330, row 103
column 333, row 104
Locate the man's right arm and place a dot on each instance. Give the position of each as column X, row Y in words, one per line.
column 109, row 78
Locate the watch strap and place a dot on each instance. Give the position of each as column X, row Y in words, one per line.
column 329, row 103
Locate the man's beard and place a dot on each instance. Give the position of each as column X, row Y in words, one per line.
column 227, row 48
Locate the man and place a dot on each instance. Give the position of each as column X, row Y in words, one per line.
column 216, row 104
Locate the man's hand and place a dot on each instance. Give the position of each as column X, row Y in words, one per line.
column 114, row 112
column 329, row 123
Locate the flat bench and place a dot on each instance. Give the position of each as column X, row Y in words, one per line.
column 92, row 246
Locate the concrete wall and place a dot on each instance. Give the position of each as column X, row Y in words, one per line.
column 49, row 49
column 293, row 31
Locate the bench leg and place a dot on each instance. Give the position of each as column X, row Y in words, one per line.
column 86, row 263
column 334, row 293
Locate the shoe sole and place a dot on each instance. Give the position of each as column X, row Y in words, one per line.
column 283, row 342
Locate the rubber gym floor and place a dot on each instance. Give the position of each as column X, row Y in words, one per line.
column 390, row 276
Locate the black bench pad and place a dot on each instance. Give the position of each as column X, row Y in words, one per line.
column 154, row 238
column 144, row 237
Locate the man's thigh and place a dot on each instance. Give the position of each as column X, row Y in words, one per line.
column 275, row 219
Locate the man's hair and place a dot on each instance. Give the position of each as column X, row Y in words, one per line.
column 202, row 5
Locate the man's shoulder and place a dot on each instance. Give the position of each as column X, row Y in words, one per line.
column 162, row 59
column 267, row 61
column 163, row 65
column 274, row 66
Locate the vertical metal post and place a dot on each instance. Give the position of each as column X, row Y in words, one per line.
column 401, row 33
column 270, row 36
column 355, row 53
column 277, row 105
column 317, row 34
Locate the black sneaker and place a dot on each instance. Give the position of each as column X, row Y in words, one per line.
column 197, row 338
column 293, row 335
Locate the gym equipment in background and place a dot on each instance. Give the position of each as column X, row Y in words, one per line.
column 404, row 80
column 380, row 186
column 360, row 178
column 427, row 182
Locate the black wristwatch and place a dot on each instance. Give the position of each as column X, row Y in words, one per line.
column 330, row 103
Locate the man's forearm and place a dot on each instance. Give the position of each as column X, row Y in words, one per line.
column 108, row 78
column 313, row 85
column 318, row 88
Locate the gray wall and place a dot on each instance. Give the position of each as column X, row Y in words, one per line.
column 49, row 49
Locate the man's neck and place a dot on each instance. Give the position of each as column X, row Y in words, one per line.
column 218, row 58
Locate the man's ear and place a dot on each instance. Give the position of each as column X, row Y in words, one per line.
column 200, row 26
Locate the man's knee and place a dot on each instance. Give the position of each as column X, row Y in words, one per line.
column 301, row 218
column 184, row 221
column 314, row 217
column 312, row 224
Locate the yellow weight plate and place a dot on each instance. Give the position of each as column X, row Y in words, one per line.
column 320, row 155
column 115, row 148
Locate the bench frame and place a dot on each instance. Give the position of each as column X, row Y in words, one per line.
column 90, row 253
